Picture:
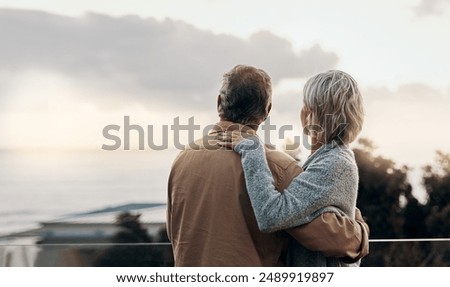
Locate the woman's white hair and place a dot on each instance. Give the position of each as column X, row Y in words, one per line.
column 334, row 106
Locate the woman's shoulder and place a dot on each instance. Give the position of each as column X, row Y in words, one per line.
column 336, row 157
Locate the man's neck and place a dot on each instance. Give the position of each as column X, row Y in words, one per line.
column 253, row 127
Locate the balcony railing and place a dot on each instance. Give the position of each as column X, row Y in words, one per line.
column 383, row 252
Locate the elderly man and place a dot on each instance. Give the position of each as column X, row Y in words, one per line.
column 210, row 221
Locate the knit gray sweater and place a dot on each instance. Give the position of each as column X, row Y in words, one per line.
column 329, row 183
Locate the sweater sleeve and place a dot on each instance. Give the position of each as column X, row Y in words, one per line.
column 309, row 195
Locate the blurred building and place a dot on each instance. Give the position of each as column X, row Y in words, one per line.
column 76, row 240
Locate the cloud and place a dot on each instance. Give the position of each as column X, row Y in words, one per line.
column 407, row 93
column 167, row 62
column 431, row 7
column 408, row 123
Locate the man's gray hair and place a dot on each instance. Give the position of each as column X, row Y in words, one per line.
column 245, row 95
column 335, row 106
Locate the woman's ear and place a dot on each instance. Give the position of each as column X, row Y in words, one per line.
column 305, row 117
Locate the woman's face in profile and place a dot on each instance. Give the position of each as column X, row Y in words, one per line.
column 304, row 113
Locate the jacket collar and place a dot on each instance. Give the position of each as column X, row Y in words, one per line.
column 224, row 126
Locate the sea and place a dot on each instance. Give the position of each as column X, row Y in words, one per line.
column 41, row 185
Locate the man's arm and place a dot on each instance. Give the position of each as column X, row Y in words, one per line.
column 331, row 234
column 335, row 235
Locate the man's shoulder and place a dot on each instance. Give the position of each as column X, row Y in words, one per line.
column 280, row 159
column 284, row 168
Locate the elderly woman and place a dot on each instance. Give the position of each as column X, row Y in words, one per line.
column 332, row 116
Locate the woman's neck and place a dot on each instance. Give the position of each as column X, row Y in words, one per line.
column 315, row 144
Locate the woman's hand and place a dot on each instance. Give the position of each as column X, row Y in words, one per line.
column 232, row 139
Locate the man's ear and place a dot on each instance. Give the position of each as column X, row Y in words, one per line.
column 269, row 108
column 219, row 104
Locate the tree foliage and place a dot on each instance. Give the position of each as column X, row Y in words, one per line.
column 132, row 249
column 386, row 201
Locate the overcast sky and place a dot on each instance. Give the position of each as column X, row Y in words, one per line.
column 68, row 68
